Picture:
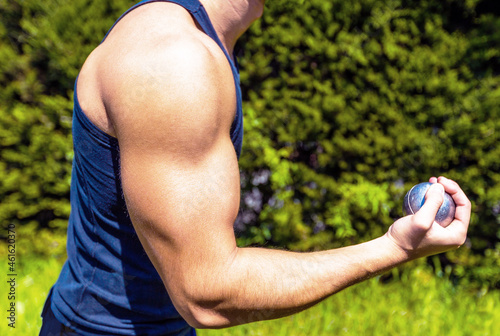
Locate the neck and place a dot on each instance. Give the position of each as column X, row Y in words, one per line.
column 231, row 18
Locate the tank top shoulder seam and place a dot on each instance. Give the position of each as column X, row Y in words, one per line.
column 137, row 5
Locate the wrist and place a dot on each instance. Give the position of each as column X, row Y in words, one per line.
column 398, row 252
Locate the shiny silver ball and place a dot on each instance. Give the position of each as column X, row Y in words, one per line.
column 415, row 198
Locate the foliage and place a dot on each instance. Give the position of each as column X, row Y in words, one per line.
column 352, row 103
column 347, row 105
column 43, row 45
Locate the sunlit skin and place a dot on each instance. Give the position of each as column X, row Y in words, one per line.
column 165, row 90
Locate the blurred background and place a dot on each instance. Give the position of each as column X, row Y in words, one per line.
column 347, row 105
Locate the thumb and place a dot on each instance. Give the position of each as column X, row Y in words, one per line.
column 433, row 200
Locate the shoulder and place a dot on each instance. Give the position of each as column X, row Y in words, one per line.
column 160, row 43
column 173, row 78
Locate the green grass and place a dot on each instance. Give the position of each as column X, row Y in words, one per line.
column 33, row 281
column 419, row 304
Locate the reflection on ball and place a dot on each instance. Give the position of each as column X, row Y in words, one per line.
column 415, row 198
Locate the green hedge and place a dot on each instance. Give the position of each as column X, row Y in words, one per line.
column 352, row 103
column 347, row 105
column 42, row 46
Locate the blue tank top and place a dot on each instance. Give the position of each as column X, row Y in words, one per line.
column 108, row 285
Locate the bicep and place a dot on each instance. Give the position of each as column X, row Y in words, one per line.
column 179, row 169
column 183, row 213
column 177, row 205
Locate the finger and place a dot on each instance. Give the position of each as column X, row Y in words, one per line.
column 433, row 200
column 433, row 180
column 463, row 210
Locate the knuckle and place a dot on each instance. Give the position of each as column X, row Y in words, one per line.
column 420, row 222
column 468, row 203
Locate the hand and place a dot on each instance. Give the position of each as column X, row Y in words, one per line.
column 419, row 235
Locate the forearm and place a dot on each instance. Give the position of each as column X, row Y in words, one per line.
column 264, row 284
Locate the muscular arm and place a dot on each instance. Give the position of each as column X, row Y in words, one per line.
column 181, row 184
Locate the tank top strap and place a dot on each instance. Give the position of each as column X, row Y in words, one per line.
column 194, row 7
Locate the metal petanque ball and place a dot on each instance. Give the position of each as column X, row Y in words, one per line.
column 415, row 198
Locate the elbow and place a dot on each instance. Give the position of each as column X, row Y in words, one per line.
column 205, row 297
column 202, row 309
column 204, row 315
